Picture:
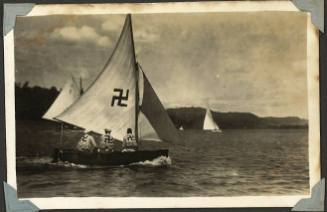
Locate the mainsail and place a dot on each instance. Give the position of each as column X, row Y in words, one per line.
column 110, row 101
column 209, row 123
column 121, row 97
column 70, row 92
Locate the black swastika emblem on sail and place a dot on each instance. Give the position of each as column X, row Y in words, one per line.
column 120, row 99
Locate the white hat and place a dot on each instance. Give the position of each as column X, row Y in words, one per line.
column 87, row 131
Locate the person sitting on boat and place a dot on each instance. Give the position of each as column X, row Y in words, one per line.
column 129, row 142
column 107, row 142
column 87, row 143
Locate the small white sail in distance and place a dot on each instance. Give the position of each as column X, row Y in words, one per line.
column 68, row 95
column 209, row 123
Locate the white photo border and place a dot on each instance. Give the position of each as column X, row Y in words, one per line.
column 169, row 202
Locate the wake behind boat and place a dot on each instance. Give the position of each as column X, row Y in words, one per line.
column 120, row 98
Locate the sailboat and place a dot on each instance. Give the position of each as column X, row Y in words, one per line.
column 209, row 123
column 121, row 97
column 71, row 91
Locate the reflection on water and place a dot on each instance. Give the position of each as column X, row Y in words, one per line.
column 236, row 162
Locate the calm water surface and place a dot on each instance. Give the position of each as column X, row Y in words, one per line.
column 233, row 163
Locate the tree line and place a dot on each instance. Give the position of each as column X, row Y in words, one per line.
column 31, row 102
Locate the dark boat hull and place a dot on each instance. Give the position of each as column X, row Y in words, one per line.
column 107, row 159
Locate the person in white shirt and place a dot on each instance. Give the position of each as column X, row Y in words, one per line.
column 129, row 141
column 86, row 143
column 107, row 142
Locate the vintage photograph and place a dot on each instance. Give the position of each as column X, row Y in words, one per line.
column 162, row 105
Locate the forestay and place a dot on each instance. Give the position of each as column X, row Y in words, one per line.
column 69, row 94
column 110, row 101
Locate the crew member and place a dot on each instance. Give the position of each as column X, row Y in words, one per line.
column 129, row 141
column 87, row 143
column 107, row 142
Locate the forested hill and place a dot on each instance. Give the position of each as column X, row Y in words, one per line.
column 193, row 117
column 33, row 102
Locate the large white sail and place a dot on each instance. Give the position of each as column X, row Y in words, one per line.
column 209, row 123
column 110, row 101
column 68, row 95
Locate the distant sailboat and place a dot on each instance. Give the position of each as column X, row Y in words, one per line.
column 121, row 97
column 68, row 95
column 209, row 123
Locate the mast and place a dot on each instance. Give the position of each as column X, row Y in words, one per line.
column 137, row 105
column 61, row 133
column 81, row 91
column 136, row 84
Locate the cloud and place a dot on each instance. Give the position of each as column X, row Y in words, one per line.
column 103, row 41
column 112, row 25
column 141, row 33
column 80, row 34
column 145, row 35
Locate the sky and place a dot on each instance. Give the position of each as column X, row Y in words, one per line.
column 235, row 62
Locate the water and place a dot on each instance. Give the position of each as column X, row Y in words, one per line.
column 234, row 163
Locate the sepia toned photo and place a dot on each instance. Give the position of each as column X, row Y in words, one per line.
column 207, row 104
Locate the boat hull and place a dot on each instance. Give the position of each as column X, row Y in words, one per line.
column 107, row 159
